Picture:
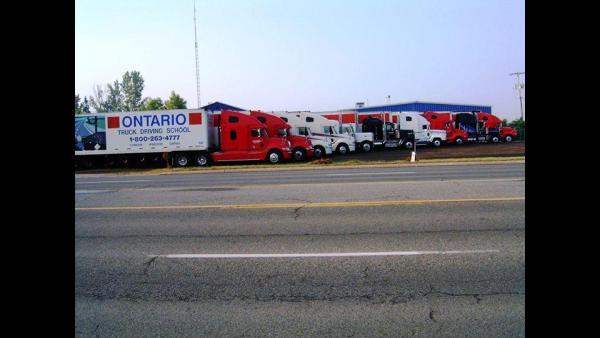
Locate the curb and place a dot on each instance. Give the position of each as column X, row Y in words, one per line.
column 311, row 167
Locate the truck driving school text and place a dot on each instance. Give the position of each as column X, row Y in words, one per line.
column 152, row 128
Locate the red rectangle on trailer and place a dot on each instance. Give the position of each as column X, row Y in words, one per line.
column 113, row 122
column 195, row 118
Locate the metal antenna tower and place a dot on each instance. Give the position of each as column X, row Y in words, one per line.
column 196, row 47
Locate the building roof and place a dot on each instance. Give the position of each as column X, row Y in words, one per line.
column 426, row 106
column 216, row 106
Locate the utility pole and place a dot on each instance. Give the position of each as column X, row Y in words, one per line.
column 519, row 88
column 196, row 47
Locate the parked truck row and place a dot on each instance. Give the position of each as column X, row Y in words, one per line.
column 198, row 137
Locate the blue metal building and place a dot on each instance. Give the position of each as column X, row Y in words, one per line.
column 217, row 106
column 426, row 106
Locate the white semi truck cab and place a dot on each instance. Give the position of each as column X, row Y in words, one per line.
column 341, row 143
column 421, row 127
column 364, row 141
column 322, row 145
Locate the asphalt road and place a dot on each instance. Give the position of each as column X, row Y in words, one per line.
column 419, row 251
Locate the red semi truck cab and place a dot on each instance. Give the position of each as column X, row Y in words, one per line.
column 244, row 138
column 302, row 147
column 444, row 121
column 507, row 134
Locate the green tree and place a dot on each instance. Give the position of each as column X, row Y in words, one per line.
column 175, row 102
column 114, row 97
column 517, row 124
column 132, row 87
column 98, row 101
column 77, row 106
column 152, row 104
column 85, row 106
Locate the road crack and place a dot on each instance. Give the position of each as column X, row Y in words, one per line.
column 148, row 263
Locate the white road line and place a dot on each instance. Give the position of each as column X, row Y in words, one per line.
column 378, row 173
column 90, row 191
column 327, row 254
column 100, row 182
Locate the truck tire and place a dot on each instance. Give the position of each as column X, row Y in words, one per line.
column 319, row 152
column 459, row 141
column 299, row 154
column 202, row 159
column 181, row 159
column 274, row 157
column 366, row 146
column 508, row 139
column 140, row 160
column 123, row 160
column 409, row 145
column 342, row 149
column 495, row 139
column 436, row 142
column 86, row 163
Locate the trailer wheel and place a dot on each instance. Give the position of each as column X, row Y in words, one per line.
column 366, row 146
column 437, row 142
column 319, row 152
column 409, row 145
column 342, row 149
column 86, row 163
column 181, row 160
column 508, row 139
column 123, row 160
column 459, row 141
column 274, row 156
column 202, row 159
column 299, row 154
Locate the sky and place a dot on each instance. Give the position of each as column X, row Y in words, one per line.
column 312, row 55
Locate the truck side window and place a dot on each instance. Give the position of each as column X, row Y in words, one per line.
column 302, row 131
column 285, row 119
column 310, row 119
column 255, row 133
column 408, row 118
column 424, row 126
column 262, row 119
column 232, row 135
column 233, row 119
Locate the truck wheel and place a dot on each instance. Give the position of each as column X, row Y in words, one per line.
column 508, row 139
column 319, row 151
column 342, row 149
column 409, row 145
column 86, row 163
column 181, row 160
column 366, row 146
column 299, row 154
column 495, row 139
column 274, row 157
column 437, row 142
column 459, row 141
column 202, row 159
column 123, row 160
